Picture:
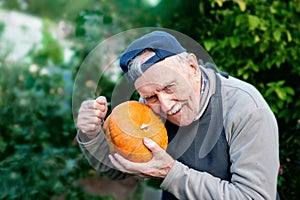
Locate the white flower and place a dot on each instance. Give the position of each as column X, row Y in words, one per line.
column 33, row 68
column 44, row 71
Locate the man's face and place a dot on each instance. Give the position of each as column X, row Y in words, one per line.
column 171, row 90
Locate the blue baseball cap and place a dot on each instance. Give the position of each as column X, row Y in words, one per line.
column 161, row 43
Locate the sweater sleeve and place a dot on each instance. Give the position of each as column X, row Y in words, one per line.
column 254, row 157
column 96, row 151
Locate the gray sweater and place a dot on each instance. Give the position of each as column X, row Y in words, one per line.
column 252, row 135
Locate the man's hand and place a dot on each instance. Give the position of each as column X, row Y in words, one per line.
column 159, row 166
column 91, row 115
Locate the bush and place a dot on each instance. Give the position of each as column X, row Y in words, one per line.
column 39, row 155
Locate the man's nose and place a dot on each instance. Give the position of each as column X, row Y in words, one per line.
column 165, row 102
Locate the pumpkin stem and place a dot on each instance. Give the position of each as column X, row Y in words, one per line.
column 144, row 127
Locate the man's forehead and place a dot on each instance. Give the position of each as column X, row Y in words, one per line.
column 151, row 77
column 159, row 74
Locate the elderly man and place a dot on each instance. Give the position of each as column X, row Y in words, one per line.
column 223, row 137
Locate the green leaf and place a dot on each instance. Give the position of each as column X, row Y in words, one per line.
column 240, row 71
column 280, row 83
column 280, row 93
column 289, row 36
column 234, row 42
column 245, row 76
column 263, row 46
column 255, row 67
column 240, row 19
column 277, row 35
column 209, row 44
column 280, row 104
column 256, row 39
column 253, row 22
column 268, row 92
column 272, row 10
column 290, row 90
column 219, row 2
column 241, row 4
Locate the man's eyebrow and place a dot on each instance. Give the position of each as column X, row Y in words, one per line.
column 167, row 84
column 161, row 87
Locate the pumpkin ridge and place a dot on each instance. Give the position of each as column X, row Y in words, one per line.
column 139, row 146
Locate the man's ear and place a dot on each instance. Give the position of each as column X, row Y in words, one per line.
column 193, row 63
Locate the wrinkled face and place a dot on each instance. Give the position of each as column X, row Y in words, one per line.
column 172, row 90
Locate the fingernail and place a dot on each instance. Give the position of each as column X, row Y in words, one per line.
column 147, row 140
column 101, row 98
column 116, row 156
column 112, row 156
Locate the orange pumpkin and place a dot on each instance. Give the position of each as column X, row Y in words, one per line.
column 126, row 127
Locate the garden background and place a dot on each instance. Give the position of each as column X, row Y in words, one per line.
column 257, row 41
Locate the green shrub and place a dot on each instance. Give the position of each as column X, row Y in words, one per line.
column 39, row 155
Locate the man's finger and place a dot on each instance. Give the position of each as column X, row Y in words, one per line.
column 151, row 145
column 134, row 167
column 116, row 164
column 101, row 100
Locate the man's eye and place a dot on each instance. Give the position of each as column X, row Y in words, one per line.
column 169, row 88
column 151, row 99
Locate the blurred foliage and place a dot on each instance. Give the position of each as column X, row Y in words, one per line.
column 39, row 155
column 55, row 10
column 257, row 41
